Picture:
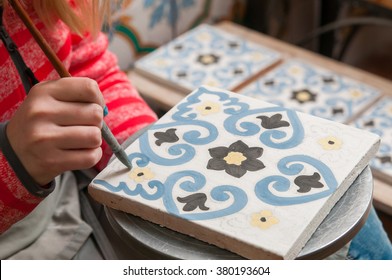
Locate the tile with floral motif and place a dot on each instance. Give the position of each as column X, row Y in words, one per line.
column 209, row 56
column 313, row 90
column 378, row 119
column 237, row 172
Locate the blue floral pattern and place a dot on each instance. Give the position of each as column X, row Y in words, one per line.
column 313, row 90
column 185, row 129
column 208, row 56
column 166, row 9
column 245, row 170
column 378, row 120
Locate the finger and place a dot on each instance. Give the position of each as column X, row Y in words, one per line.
column 78, row 114
column 78, row 159
column 45, row 166
column 75, row 89
column 77, row 137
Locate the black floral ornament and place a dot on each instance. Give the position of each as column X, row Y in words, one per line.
column 181, row 74
column 337, row 111
column 236, row 159
column 233, row 45
column 328, row 80
column 169, row 136
column 208, row 59
column 238, row 71
column 369, row 123
column 275, row 121
column 178, row 47
column 303, row 96
column 194, row 201
column 307, row 182
column 384, row 159
column 269, row 83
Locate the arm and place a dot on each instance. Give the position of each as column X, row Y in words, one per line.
column 57, row 128
column 15, row 201
column 75, row 101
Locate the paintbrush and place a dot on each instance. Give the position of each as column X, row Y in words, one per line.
column 62, row 71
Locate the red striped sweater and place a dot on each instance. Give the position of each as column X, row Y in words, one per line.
column 127, row 111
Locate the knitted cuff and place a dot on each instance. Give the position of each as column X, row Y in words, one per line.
column 22, row 174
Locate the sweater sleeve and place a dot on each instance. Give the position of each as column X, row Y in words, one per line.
column 19, row 192
column 128, row 112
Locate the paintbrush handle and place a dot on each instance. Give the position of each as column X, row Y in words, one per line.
column 46, row 48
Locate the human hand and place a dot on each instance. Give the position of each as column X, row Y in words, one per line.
column 58, row 128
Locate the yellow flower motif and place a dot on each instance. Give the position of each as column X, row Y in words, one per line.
column 256, row 56
column 294, row 70
column 141, row 174
column 356, row 94
column 208, row 107
column 390, row 109
column 204, row 37
column 207, row 59
column 264, row 219
column 211, row 83
column 160, row 62
column 235, row 158
column 304, row 96
column 330, row 143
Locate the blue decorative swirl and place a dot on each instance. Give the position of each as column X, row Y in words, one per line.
column 192, row 136
column 192, row 77
column 282, row 184
column 139, row 190
column 219, row 193
column 280, row 83
column 221, row 43
column 184, row 112
column 183, row 152
column 314, row 79
column 268, row 136
column 380, row 115
column 325, row 111
column 225, row 75
column 376, row 163
column 143, row 159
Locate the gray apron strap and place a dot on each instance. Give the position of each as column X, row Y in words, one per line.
column 89, row 215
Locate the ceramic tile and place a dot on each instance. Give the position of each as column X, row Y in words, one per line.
column 240, row 173
column 206, row 56
column 139, row 27
column 378, row 120
column 311, row 89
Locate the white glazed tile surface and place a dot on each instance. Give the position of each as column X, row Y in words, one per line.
column 178, row 159
column 378, row 119
column 308, row 88
column 207, row 56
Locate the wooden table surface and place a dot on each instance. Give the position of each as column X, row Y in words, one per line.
column 165, row 97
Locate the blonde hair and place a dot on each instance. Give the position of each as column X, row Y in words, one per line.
column 81, row 16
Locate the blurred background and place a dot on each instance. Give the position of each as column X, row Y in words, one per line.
column 356, row 32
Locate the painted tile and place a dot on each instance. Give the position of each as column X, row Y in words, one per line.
column 378, row 120
column 313, row 90
column 240, row 173
column 206, row 56
column 139, row 27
